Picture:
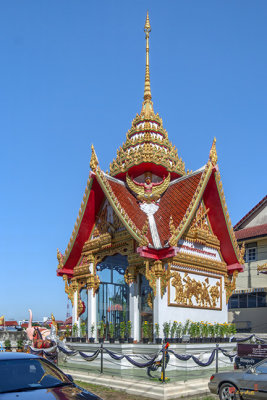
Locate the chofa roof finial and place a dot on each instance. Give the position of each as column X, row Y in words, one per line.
column 94, row 160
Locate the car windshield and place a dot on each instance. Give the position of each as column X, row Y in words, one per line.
column 29, row 374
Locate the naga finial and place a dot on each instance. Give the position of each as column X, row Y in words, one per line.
column 94, row 160
column 213, row 153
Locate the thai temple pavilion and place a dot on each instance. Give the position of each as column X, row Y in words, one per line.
column 152, row 242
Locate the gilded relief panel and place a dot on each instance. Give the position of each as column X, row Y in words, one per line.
column 192, row 289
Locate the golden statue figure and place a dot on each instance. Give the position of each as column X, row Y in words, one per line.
column 148, row 191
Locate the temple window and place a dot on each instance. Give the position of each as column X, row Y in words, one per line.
column 113, row 294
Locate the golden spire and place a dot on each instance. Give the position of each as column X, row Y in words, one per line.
column 147, row 92
column 147, row 29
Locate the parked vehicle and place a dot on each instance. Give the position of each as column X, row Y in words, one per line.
column 22, row 374
column 234, row 385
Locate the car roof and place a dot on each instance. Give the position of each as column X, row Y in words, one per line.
column 9, row 355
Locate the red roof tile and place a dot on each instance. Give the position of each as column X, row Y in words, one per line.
column 175, row 202
column 254, row 231
column 250, row 212
column 11, row 323
column 130, row 205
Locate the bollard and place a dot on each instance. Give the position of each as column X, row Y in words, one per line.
column 217, row 357
column 164, row 351
column 101, row 358
column 163, row 366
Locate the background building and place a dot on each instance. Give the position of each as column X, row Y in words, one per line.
column 247, row 305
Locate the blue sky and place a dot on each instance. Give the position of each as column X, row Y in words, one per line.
column 72, row 74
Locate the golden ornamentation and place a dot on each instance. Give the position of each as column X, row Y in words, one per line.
column 195, row 263
column 157, row 271
column 213, row 153
column 148, row 192
column 60, row 259
column 186, row 288
column 130, row 274
column 147, row 141
column 70, row 288
column 54, row 323
column 123, row 216
column 262, row 268
column 230, row 284
column 200, row 230
column 192, row 206
column 93, row 282
column 149, row 300
column 172, row 226
column 94, row 160
column 239, row 253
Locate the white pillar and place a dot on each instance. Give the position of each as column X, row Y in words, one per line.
column 91, row 312
column 156, row 307
column 134, row 309
column 75, row 319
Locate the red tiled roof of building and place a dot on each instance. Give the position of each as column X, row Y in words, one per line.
column 129, row 203
column 175, row 202
column 24, row 325
column 68, row 321
column 254, row 231
column 250, row 213
column 11, row 323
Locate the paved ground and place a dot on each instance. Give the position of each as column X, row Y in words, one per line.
column 111, row 394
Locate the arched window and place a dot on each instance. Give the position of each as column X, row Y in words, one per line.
column 113, row 293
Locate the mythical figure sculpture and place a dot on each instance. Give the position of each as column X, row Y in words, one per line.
column 148, row 191
column 39, row 336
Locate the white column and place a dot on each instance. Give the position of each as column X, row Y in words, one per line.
column 134, row 309
column 91, row 310
column 75, row 319
column 156, row 307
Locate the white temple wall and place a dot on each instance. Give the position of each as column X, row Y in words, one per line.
column 163, row 312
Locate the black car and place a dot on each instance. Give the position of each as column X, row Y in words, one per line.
column 29, row 377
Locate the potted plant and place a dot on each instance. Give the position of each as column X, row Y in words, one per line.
column 74, row 333
column 166, row 331
column 145, row 327
column 211, row 332
column 19, row 345
column 129, row 331
column 232, row 331
column 157, row 332
column 111, row 333
column 101, row 332
column 122, row 332
column 204, row 331
column 92, row 339
column 216, row 332
column 186, row 331
column 173, row 330
column 178, row 332
column 67, row 333
column 7, row 345
column 83, row 332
